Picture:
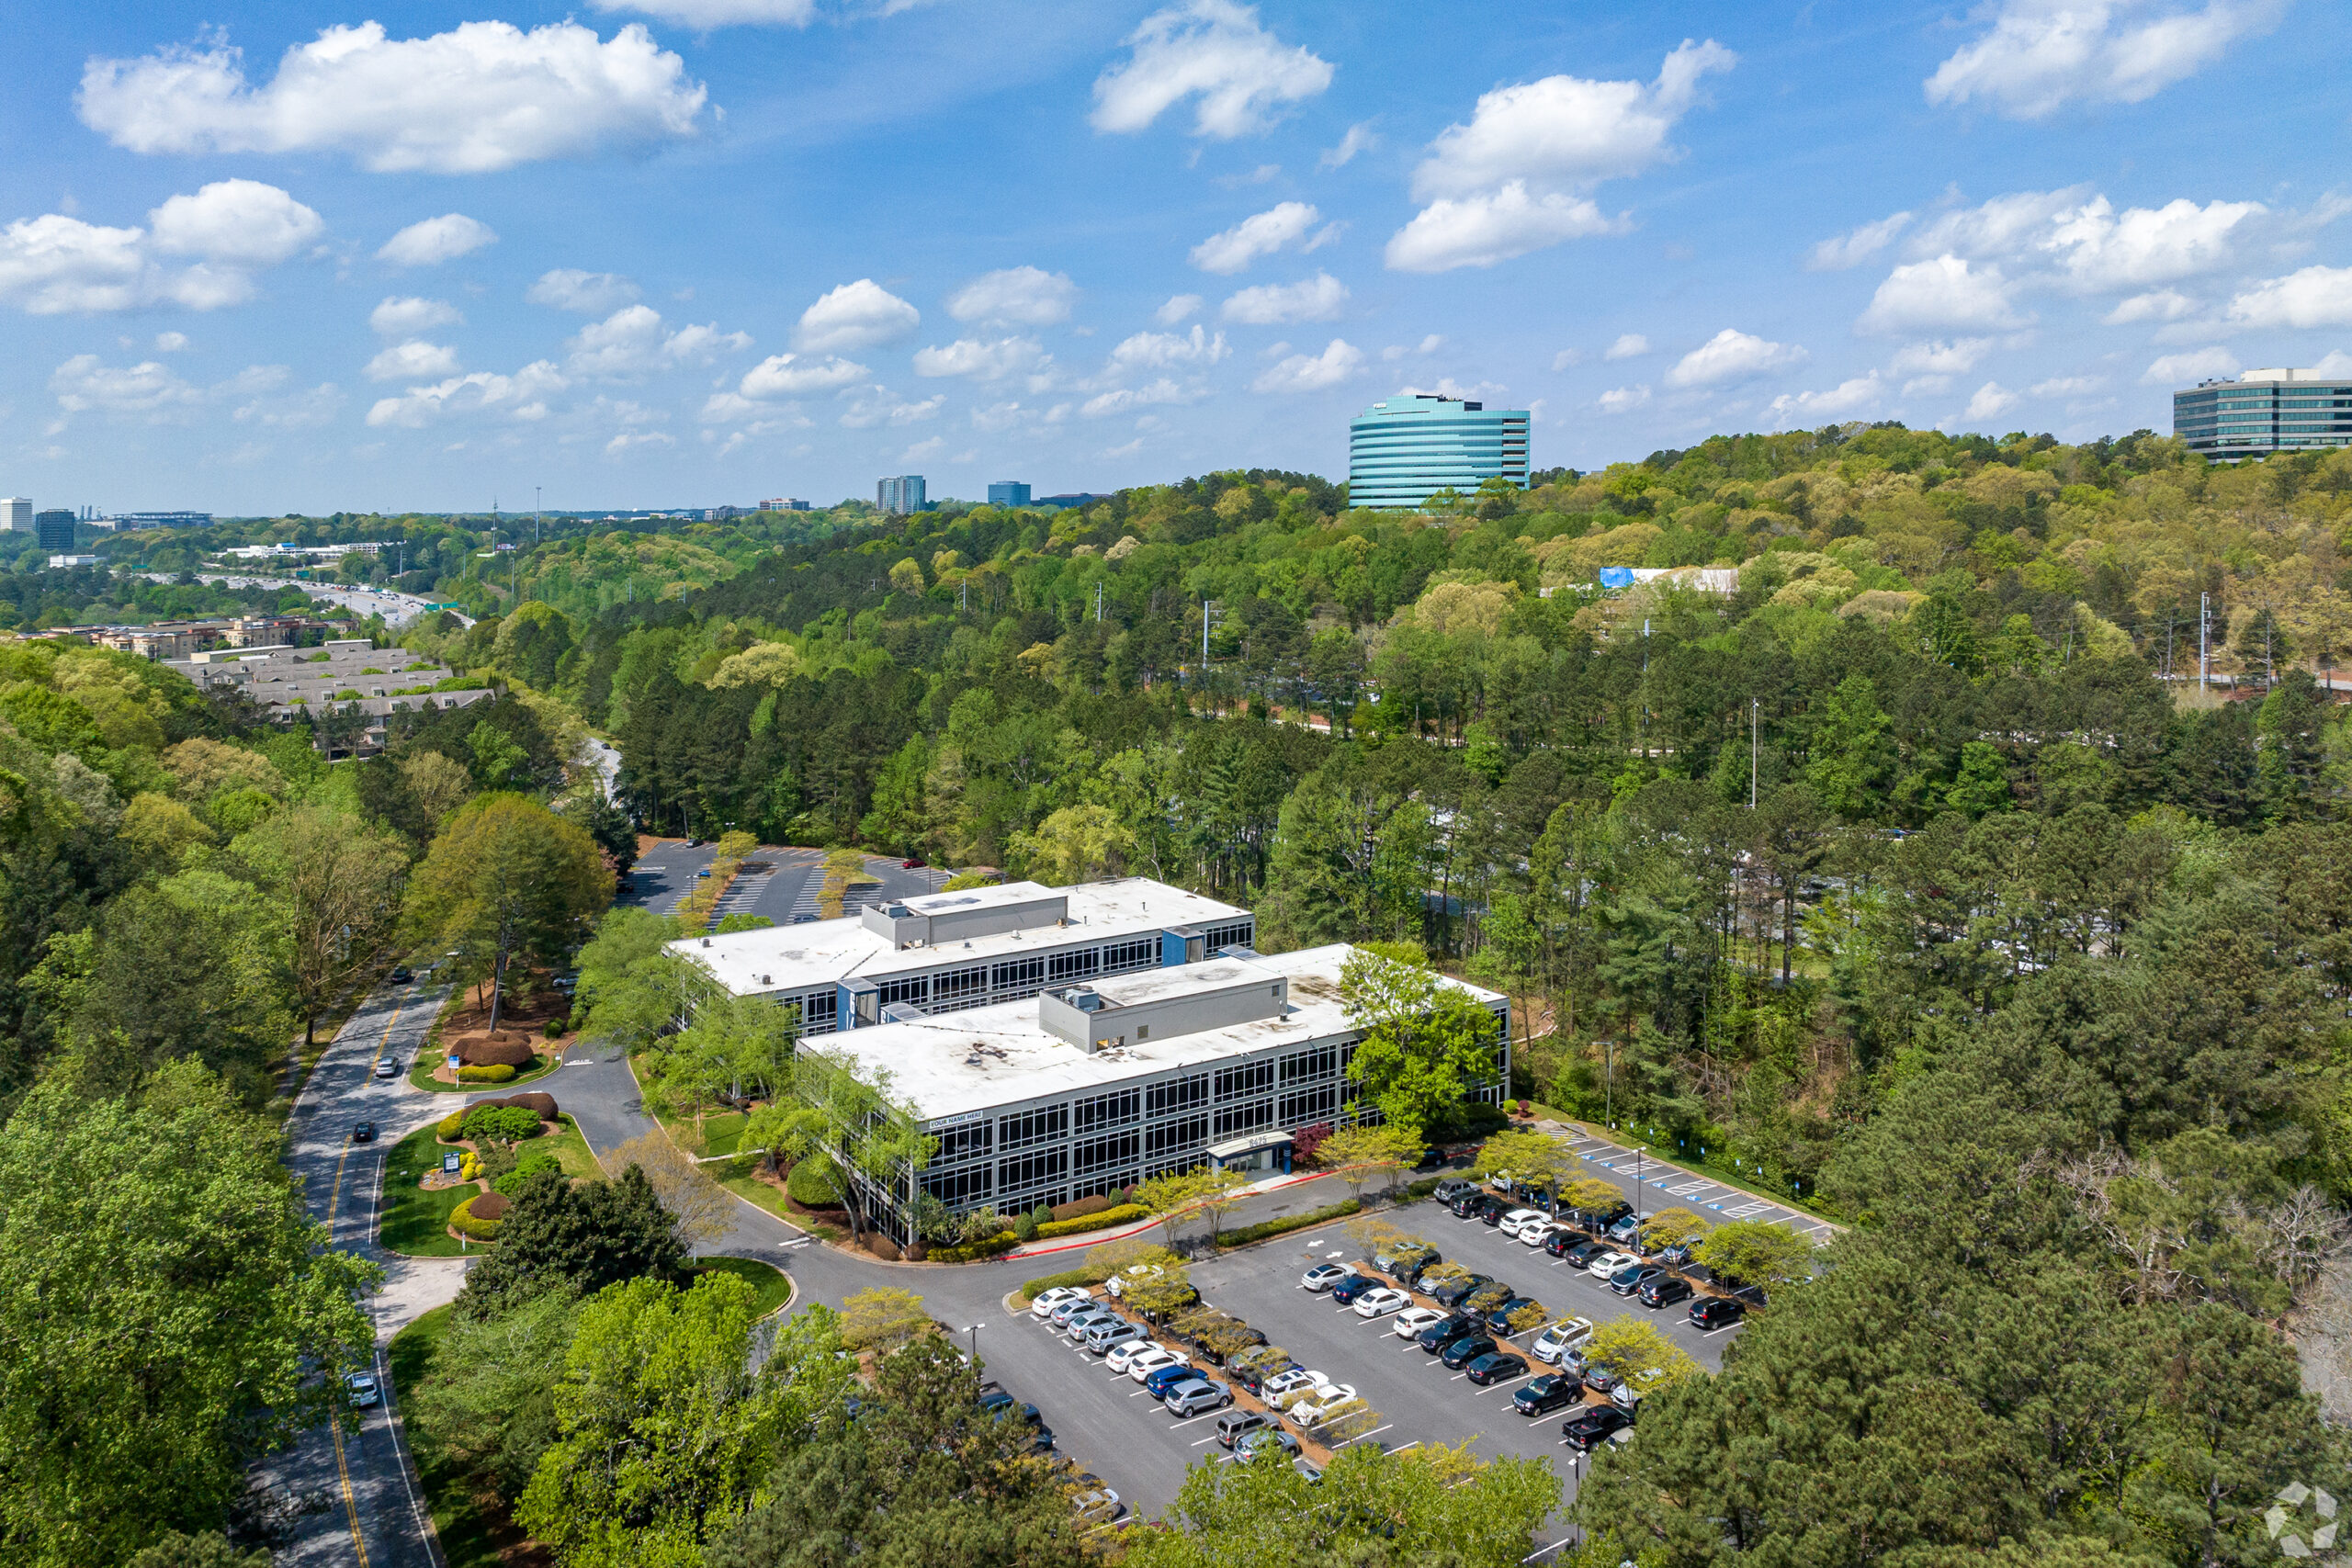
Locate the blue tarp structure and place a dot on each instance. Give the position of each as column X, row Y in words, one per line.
column 1616, row 577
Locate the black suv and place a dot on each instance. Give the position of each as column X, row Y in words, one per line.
column 1715, row 1312
column 1664, row 1291
column 1444, row 1332
column 1559, row 1241
column 1548, row 1394
column 1448, row 1294
column 1499, row 1318
column 1465, row 1204
column 1466, row 1349
column 1493, row 1207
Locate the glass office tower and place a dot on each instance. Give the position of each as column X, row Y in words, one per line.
column 903, row 494
column 1403, row 449
column 1008, row 492
column 2273, row 409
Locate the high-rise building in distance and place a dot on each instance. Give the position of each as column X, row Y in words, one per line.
column 900, row 496
column 53, row 529
column 1008, row 492
column 16, row 514
column 2275, row 410
column 1403, row 449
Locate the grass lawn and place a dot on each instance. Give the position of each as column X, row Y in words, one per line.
column 771, row 1287
column 430, row 1056
column 721, row 1133
column 566, row 1143
column 736, row 1176
column 470, row 1534
column 416, row 1222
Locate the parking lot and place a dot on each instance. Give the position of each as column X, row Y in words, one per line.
column 1107, row 1424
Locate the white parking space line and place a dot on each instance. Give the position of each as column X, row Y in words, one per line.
column 1744, row 1210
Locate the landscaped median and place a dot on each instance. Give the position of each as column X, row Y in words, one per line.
column 420, row 1220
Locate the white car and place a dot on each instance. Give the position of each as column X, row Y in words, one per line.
column 1533, row 1235
column 1122, row 1356
column 1380, row 1303
column 1509, row 1223
column 1413, row 1320
column 1558, row 1339
column 1322, row 1277
column 1043, row 1307
column 1608, row 1263
column 1118, row 1283
column 362, row 1390
column 1149, row 1359
column 1285, row 1389
column 1307, row 1412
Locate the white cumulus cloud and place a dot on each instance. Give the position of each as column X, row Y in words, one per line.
column 86, row 385
column 2315, row 296
column 406, row 317
column 1850, row 397
column 235, row 220
column 1312, row 372
column 590, row 293
column 1511, row 180
column 2156, row 305
column 433, row 241
column 1619, row 400
column 522, row 396
column 1991, row 398
column 56, row 264
column 1121, row 399
column 1956, row 357
column 480, row 97
column 1731, row 355
column 1359, row 139
column 789, row 375
column 1318, row 298
column 2101, row 250
column 1270, row 231
column 881, row 406
column 2040, row 55
column 1627, row 346
column 633, row 341
column 1159, row 351
column 854, row 316
column 982, row 359
column 1215, row 52
column 1016, row 296
column 2201, row 364
column 170, row 343
column 1856, row 246
column 415, row 360
column 1179, row 308
column 1945, row 291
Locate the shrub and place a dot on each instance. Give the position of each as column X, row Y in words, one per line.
column 451, row 1127
column 1042, row 1214
column 1104, row 1220
column 554, row 1029
column 469, row 1166
column 1067, row 1278
column 882, row 1317
column 970, row 1251
column 1532, row 1315
column 1025, row 1227
column 806, row 1187
column 513, row 1054
column 1288, row 1223
column 510, row 1122
column 463, row 1220
column 502, row 1072
column 1083, row 1207
column 529, row 1166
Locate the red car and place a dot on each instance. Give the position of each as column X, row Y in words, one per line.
column 911, row 865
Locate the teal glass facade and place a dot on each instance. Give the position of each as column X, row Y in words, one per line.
column 1403, row 449
column 2262, row 411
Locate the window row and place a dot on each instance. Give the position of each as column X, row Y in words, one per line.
column 1046, row 1124
column 1301, row 1067
column 1310, row 1105
column 1248, row 1078
column 968, row 1142
column 1248, row 1117
column 1115, row 1148
column 1112, row 1110
column 1122, row 956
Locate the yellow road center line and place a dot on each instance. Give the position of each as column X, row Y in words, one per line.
column 335, row 1201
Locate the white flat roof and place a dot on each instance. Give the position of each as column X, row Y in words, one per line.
column 952, row 1063
column 784, row 960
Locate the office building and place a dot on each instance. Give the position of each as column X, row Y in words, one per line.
column 53, row 529
column 16, row 514
column 1060, row 1043
column 1403, row 449
column 2276, row 409
column 62, row 562
column 1008, row 492
column 165, row 519
column 901, row 496
column 784, row 503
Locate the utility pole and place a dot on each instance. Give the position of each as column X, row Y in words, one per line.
column 1755, row 717
column 2203, row 616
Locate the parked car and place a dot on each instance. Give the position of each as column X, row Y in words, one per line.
column 1105, row 1338
column 1413, row 1320
column 1749, row 1296
column 1309, row 1470
column 364, row 1132
column 362, row 1390
column 387, row 1068
column 1535, row 1233
column 1601, row 1381
column 1322, row 1277
column 1380, row 1303
column 1466, row 1349
column 1549, row 1393
column 1558, row 1339
column 1498, row 1318
column 1322, row 1406
column 1487, row 1297
column 1099, row 1505
column 1348, row 1290
column 1251, row 1339
column 1592, row 1425
column 1627, row 1395
column 1251, row 1444
column 1446, row 1294
column 1563, row 1239
column 1196, row 1397
column 1510, row 1224
column 1158, row 1382
column 1605, row 1264
column 1043, row 1307
column 400, row 975
column 1074, row 1327
column 1118, row 1283
column 1663, row 1291
column 913, row 862
column 1634, row 1275
column 1294, row 1383
column 1496, row 1365
column 1399, row 1257
column 1233, row 1422
column 1058, row 1314
column 1708, row 1313
column 1492, row 1208
column 1130, row 1359
column 1431, row 1159
column 1452, row 1187
column 1252, row 1380
column 1466, row 1204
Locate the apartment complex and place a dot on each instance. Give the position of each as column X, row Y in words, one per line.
column 1060, row 1042
column 902, row 495
column 1403, row 449
column 2275, row 410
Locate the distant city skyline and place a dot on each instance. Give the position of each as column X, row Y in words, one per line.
column 314, row 260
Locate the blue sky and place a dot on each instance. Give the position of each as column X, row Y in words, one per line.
column 684, row 251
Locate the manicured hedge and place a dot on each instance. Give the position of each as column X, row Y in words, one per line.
column 451, row 1126
column 501, row 1073
column 1124, row 1213
column 1265, row 1228
column 1004, row 1241
column 1424, row 1188
column 1067, row 1278
column 803, row 1187
column 512, row 1123
column 463, row 1219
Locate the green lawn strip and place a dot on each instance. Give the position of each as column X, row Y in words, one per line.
column 464, row 1526
column 771, row 1286
column 420, row 1075
column 722, row 1134
column 415, row 1221
column 736, row 1176
column 566, row 1144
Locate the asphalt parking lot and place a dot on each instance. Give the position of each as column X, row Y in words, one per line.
column 1105, row 1423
